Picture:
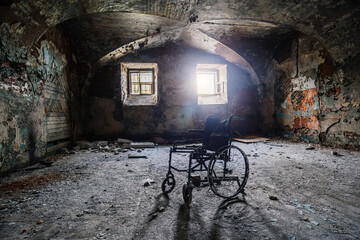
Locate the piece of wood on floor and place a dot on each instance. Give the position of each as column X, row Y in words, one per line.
column 136, row 156
column 251, row 139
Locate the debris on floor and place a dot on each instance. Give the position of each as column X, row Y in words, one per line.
column 274, row 198
column 142, row 145
column 136, row 156
column 92, row 195
column 147, row 182
column 315, row 223
column 122, row 140
column 252, row 139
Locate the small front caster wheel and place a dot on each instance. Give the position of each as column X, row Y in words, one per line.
column 168, row 184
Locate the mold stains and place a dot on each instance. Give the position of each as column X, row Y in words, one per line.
column 28, row 90
column 177, row 103
column 286, row 47
column 310, row 122
column 326, row 69
column 296, row 98
column 333, row 91
column 352, row 135
column 297, row 113
column 322, row 105
column 245, row 103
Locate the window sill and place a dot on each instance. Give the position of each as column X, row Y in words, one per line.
column 212, row 100
column 140, row 100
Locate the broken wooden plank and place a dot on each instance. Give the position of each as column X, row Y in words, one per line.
column 136, row 156
column 251, row 139
column 142, row 145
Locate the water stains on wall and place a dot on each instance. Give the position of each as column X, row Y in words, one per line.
column 314, row 96
column 24, row 104
column 177, row 109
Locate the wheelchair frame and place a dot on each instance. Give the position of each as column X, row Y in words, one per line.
column 198, row 158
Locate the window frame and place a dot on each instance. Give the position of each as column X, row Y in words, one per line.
column 220, row 95
column 133, row 100
column 139, row 70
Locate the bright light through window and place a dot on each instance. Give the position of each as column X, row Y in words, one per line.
column 211, row 82
column 205, row 83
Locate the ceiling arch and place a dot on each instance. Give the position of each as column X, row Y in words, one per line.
column 190, row 36
column 324, row 20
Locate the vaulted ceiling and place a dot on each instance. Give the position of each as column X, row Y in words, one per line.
column 97, row 27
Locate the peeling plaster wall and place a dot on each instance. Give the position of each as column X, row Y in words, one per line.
column 177, row 110
column 24, row 102
column 315, row 99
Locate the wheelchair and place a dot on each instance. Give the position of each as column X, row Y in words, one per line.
column 226, row 165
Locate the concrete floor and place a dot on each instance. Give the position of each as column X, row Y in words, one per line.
column 91, row 195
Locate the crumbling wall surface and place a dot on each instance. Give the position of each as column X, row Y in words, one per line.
column 339, row 90
column 177, row 109
column 316, row 99
column 22, row 127
column 24, row 74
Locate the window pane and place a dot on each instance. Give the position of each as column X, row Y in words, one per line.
column 134, row 76
column 135, row 89
column 218, row 88
column 146, row 77
column 205, row 83
column 146, row 89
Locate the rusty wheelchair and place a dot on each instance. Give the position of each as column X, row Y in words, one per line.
column 224, row 165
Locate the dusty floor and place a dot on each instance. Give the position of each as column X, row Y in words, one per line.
column 91, row 195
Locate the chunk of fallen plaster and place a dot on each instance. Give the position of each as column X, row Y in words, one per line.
column 309, row 208
column 315, row 223
column 147, row 182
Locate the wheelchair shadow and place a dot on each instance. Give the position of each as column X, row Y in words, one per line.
column 182, row 223
column 215, row 230
column 227, row 202
column 161, row 203
column 183, row 230
column 250, row 213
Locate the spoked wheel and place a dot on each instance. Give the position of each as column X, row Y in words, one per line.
column 228, row 171
column 168, row 184
column 187, row 193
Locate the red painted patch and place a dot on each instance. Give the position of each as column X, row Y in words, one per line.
column 307, row 101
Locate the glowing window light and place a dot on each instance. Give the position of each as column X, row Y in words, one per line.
column 206, row 83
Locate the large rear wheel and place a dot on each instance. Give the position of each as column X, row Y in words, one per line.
column 228, row 171
column 187, row 193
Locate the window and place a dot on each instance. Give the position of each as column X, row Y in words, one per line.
column 211, row 82
column 139, row 84
column 141, row 81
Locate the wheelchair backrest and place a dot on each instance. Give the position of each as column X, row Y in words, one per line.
column 216, row 133
column 211, row 124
